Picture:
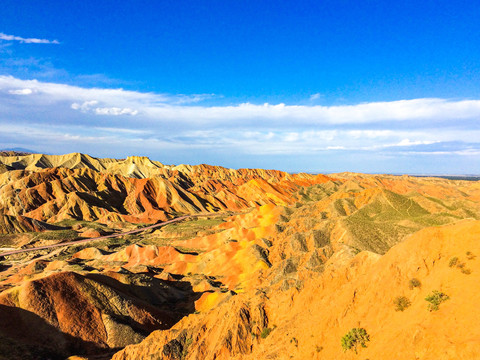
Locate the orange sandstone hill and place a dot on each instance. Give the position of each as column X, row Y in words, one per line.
column 308, row 322
column 76, row 186
column 279, row 266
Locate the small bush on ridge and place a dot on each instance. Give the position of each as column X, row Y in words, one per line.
column 401, row 303
column 435, row 299
column 354, row 338
column 413, row 283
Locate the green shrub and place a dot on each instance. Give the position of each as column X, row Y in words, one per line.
column 435, row 299
column 413, row 283
column 461, row 265
column 401, row 303
column 265, row 332
column 354, row 338
column 453, row 261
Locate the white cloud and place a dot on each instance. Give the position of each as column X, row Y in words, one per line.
column 93, row 116
column 371, row 134
column 90, row 106
column 21, row 92
column 26, row 40
column 190, row 99
column 420, row 110
column 85, row 106
column 115, row 111
column 408, row 142
column 161, row 107
column 291, row 137
column 113, row 130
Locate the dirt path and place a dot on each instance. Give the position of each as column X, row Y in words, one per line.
column 76, row 242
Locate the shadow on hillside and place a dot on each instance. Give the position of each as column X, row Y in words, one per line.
column 166, row 301
column 25, row 335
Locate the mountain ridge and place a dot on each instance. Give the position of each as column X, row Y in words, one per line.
column 135, row 189
column 279, row 266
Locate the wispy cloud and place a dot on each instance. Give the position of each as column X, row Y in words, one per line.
column 27, row 40
column 116, row 111
column 118, row 121
column 91, row 106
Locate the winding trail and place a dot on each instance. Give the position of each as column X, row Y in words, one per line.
column 76, row 242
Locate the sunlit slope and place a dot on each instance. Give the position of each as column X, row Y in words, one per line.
column 282, row 267
column 103, row 299
column 143, row 167
column 363, row 294
column 309, row 322
column 54, row 188
column 374, row 213
column 306, row 301
column 235, row 254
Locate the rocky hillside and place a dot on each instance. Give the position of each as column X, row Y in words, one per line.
column 418, row 301
column 283, row 266
column 138, row 190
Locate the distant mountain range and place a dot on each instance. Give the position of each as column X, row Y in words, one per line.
column 16, row 152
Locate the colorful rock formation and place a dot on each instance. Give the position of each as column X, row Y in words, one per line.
column 279, row 266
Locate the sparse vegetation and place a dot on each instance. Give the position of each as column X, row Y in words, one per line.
column 320, row 238
column 453, row 261
column 72, row 223
column 188, row 229
column 413, row 283
column 461, row 265
column 435, row 299
column 380, row 224
column 186, row 345
column 401, row 303
column 57, row 235
column 354, row 338
column 294, row 340
column 470, row 255
column 265, row 332
column 8, row 239
column 355, row 250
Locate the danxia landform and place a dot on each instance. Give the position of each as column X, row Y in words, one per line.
column 255, row 264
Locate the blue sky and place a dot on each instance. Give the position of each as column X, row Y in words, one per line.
column 319, row 86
